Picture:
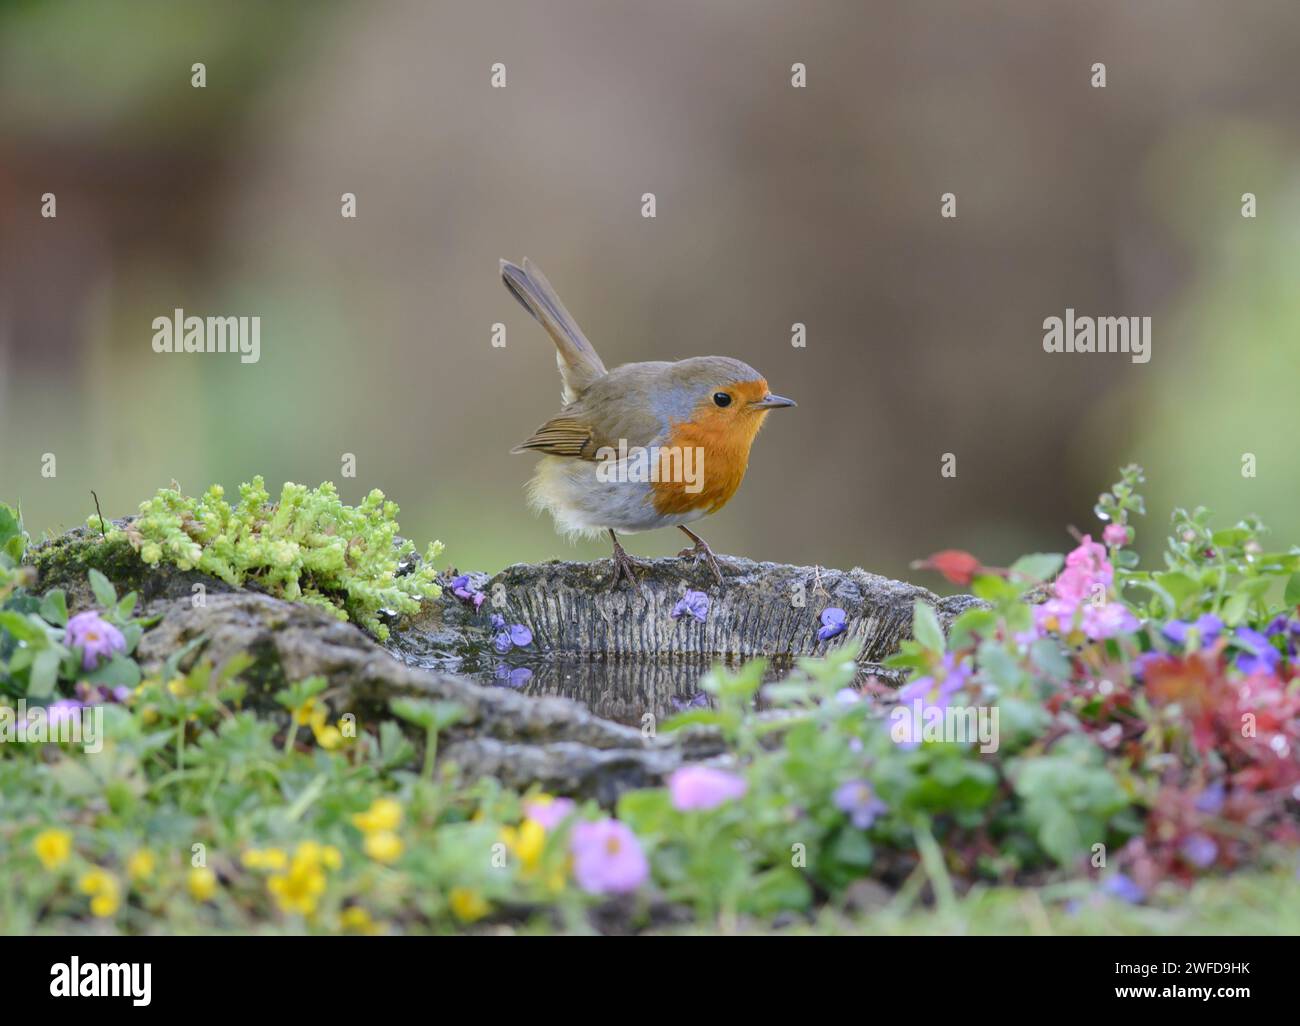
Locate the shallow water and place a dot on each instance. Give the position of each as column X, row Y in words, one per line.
column 622, row 690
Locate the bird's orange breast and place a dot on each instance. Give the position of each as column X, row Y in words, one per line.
column 719, row 441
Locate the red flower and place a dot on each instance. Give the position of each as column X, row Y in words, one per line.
column 955, row 565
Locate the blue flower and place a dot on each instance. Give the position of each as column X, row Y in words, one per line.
column 1211, row 799
column 1258, row 654
column 463, row 590
column 1200, row 850
column 693, row 603
column 513, row 677
column 1207, row 627
column 508, row 636
column 1122, row 887
column 833, row 623
column 858, row 799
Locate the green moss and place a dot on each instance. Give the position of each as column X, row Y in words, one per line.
column 307, row 547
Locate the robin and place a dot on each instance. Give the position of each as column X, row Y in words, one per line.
column 642, row 446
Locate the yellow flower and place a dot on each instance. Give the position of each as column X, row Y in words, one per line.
column 468, row 905
column 384, row 815
column 52, row 847
column 105, row 895
column 331, row 857
column 383, row 846
column 264, row 858
column 140, row 866
column 328, row 738
column 356, row 919
column 526, row 842
column 149, row 714
column 303, row 714
column 179, row 686
column 202, row 883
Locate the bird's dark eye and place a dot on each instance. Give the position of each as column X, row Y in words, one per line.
column 722, row 398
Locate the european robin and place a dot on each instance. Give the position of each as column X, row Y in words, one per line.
column 642, row 446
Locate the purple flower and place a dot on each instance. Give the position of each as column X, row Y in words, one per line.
column 936, row 691
column 693, row 603
column 858, row 799
column 703, row 787
column 64, row 709
column 833, row 623
column 1200, row 850
column 607, row 858
column 516, row 635
column 513, row 677
column 1211, row 799
column 1258, row 655
column 498, row 621
column 1289, row 628
column 463, row 590
column 1207, row 628
column 699, row 700
column 96, row 639
column 1122, row 887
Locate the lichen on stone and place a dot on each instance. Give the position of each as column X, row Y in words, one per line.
column 307, row 547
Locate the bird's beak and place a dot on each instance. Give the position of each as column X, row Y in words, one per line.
column 772, row 402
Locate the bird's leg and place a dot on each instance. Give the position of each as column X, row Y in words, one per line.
column 623, row 565
column 700, row 550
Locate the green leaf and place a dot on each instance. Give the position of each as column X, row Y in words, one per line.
column 105, row 593
column 1292, row 596
column 13, row 540
column 972, row 623
column 646, row 811
column 780, row 889
column 114, row 673
column 19, row 626
column 925, row 627
column 44, row 673
column 1038, row 566
column 1178, row 586
column 54, row 608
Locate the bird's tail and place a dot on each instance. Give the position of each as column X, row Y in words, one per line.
column 574, row 355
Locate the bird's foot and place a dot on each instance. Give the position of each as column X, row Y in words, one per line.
column 701, row 551
column 624, row 566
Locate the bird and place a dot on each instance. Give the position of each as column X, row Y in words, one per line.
column 646, row 445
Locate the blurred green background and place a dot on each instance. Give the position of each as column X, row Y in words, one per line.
column 775, row 205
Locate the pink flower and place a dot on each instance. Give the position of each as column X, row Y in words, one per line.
column 1087, row 574
column 96, row 639
column 607, row 858
column 1106, row 620
column 702, row 787
column 1115, row 535
column 548, row 811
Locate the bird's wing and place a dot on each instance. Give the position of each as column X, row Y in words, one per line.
column 605, row 417
column 562, row 436
column 576, row 358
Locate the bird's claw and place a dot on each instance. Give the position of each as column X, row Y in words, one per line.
column 699, row 551
column 624, row 566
